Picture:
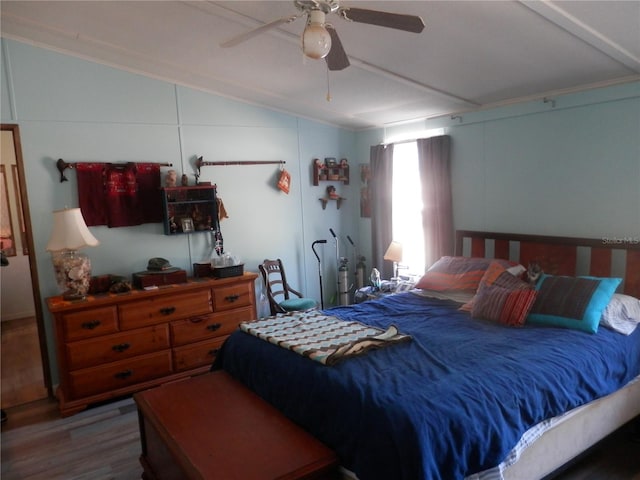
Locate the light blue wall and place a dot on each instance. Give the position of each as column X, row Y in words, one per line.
column 569, row 170
column 568, row 167
column 81, row 111
column 572, row 168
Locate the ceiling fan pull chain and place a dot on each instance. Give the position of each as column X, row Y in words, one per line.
column 328, row 86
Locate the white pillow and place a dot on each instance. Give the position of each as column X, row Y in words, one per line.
column 622, row 314
column 455, row 296
column 517, row 270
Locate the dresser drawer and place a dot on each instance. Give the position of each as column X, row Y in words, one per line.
column 95, row 351
column 208, row 326
column 164, row 309
column 92, row 381
column 196, row 354
column 92, row 322
column 232, row 296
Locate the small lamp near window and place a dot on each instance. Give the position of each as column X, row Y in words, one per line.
column 394, row 253
column 72, row 268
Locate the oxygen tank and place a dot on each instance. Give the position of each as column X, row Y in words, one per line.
column 343, row 282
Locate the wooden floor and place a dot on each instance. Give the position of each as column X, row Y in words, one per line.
column 22, row 375
column 103, row 443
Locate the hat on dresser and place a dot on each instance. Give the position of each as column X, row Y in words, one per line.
column 159, row 265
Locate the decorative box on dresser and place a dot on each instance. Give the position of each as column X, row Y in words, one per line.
column 110, row 345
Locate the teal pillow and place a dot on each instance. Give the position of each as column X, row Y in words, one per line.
column 297, row 304
column 572, row 302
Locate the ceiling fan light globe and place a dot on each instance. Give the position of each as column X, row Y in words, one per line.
column 316, row 41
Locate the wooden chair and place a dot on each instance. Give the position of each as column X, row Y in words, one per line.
column 279, row 292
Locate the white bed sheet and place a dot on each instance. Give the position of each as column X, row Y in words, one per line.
column 544, row 447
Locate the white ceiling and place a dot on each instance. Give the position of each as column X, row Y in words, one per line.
column 472, row 54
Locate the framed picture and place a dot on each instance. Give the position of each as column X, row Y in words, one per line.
column 187, row 225
column 23, row 228
column 365, row 200
column 7, row 239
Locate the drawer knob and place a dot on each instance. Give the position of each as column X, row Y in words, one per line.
column 167, row 310
column 124, row 374
column 213, row 327
column 214, row 351
column 232, row 298
column 121, row 347
column 90, row 325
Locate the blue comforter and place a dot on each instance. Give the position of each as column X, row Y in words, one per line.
column 451, row 402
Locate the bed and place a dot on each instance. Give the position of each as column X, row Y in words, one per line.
column 465, row 397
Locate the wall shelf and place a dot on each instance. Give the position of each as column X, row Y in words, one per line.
column 189, row 209
column 327, row 200
column 327, row 171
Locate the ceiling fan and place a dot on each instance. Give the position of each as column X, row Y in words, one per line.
column 320, row 39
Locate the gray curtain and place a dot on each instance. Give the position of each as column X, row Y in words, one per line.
column 437, row 214
column 381, row 202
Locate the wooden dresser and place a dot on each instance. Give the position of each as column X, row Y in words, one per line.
column 115, row 344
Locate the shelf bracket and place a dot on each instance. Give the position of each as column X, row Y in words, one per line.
column 338, row 200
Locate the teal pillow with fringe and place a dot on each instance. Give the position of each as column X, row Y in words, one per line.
column 572, row 302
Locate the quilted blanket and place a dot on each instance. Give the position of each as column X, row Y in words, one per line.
column 320, row 337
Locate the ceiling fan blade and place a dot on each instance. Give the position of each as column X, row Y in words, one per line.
column 408, row 23
column 257, row 31
column 337, row 58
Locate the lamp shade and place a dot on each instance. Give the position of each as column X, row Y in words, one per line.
column 316, row 40
column 70, row 231
column 394, row 252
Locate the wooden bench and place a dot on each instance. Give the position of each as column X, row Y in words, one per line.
column 213, row 427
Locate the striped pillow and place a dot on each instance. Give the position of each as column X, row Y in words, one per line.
column 503, row 305
column 499, row 276
column 457, row 273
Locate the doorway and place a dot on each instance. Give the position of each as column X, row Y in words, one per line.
column 25, row 365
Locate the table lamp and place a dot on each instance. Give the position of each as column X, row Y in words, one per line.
column 394, row 253
column 72, row 268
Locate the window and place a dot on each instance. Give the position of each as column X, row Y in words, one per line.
column 407, row 196
column 407, row 207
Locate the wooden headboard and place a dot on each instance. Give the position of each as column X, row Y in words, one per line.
column 604, row 257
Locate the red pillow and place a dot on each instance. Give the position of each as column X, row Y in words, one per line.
column 502, row 305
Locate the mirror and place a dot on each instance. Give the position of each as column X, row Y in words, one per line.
column 20, row 267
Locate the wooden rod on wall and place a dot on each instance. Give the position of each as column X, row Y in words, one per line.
column 202, row 163
column 61, row 165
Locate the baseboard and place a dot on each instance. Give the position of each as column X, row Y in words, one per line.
column 17, row 316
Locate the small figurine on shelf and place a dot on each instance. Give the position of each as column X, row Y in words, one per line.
column 171, row 178
column 319, row 166
column 344, row 163
column 185, row 180
column 331, row 191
